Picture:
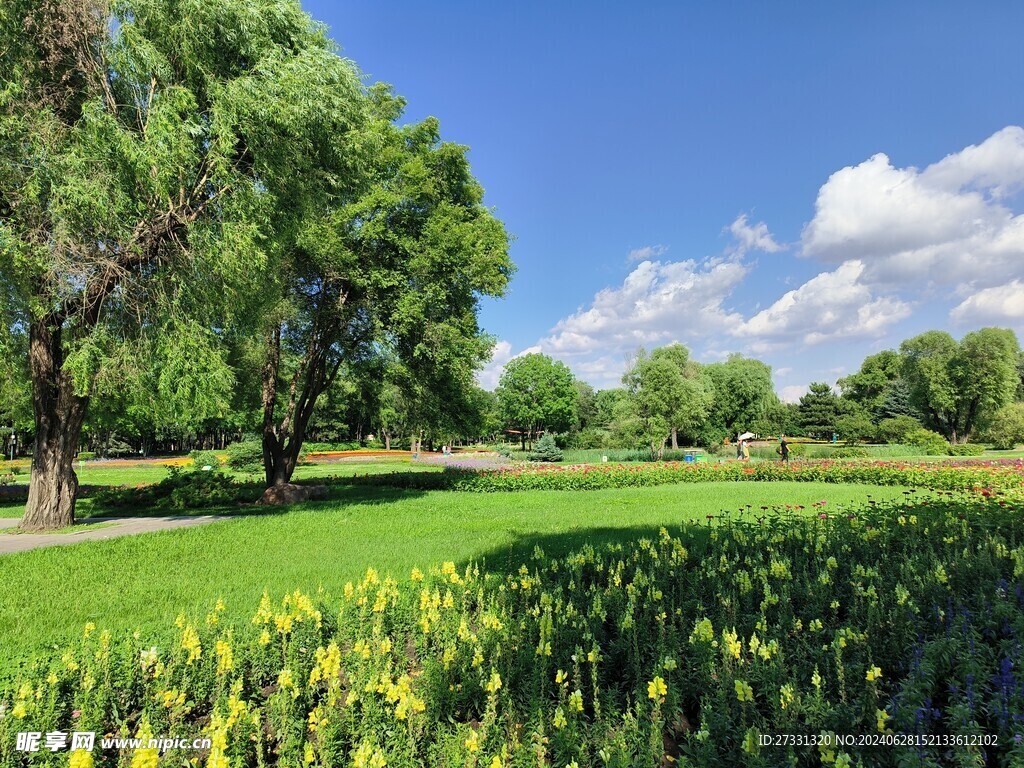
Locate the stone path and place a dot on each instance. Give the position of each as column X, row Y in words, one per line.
column 91, row 529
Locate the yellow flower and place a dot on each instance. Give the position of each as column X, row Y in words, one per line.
column 656, row 689
column 496, row 762
column 494, row 684
column 881, row 716
column 265, row 637
column 190, row 642
column 416, row 575
column 743, row 691
column 225, row 657
column 19, row 710
column 80, row 758
column 787, row 695
column 873, row 674
column 576, row 701
column 733, row 645
column 89, row 628
column 560, row 677
column 560, row 720
column 473, row 742
column 144, row 757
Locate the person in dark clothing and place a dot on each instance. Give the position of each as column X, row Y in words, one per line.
column 784, row 448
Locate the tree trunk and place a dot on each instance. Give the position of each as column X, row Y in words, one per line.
column 387, row 441
column 675, row 440
column 282, row 441
column 59, row 414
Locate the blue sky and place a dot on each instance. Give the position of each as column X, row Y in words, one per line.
column 802, row 182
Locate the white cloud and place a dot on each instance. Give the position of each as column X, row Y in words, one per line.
column 656, row 303
column 647, row 252
column 832, row 306
column 793, row 393
column 752, row 238
column 948, row 224
column 1001, row 304
column 997, row 164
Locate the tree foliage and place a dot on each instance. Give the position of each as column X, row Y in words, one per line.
column 743, row 394
column 537, row 393
column 958, row 387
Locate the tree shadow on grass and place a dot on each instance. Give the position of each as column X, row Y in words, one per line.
column 244, row 505
column 508, row 559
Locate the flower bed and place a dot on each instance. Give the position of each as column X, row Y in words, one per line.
column 952, row 475
column 903, row 620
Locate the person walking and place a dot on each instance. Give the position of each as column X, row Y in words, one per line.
column 784, row 448
column 746, row 450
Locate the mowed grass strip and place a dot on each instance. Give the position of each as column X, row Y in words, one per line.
column 143, row 582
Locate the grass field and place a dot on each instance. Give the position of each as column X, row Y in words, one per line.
column 144, row 582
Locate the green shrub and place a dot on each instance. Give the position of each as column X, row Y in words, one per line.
column 928, row 442
column 895, row 430
column 350, row 445
column 181, row 490
column 546, row 449
column 202, row 459
column 1007, row 430
column 246, row 456
column 967, row 449
column 86, row 455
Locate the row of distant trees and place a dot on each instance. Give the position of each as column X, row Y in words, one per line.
column 972, row 388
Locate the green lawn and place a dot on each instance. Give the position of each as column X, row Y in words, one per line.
column 143, row 582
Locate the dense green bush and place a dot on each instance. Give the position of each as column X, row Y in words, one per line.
column 966, row 449
column 202, row 459
column 351, row 445
column 546, row 449
column 182, row 489
column 688, row 644
column 86, row 455
column 246, row 456
column 930, row 443
column 1007, row 430
column 895, row 430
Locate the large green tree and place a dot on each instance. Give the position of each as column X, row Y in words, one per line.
column 870, row 386
column 391, row 263
column 690, row 408
column 144, row 146
column 537, row 393
column 743, row 396
column 958, row 387
column 656, row 396
column 819, row 411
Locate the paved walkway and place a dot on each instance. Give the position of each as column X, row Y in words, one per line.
column 93, row 528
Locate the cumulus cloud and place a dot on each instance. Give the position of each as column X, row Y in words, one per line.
column 752, row 237
column 792, row 393
column 832, row 306
column 950, row 224
column 656, row 303
column 1000, row 304
column 647, row 252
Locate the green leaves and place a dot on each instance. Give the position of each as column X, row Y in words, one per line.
column 537, row 393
